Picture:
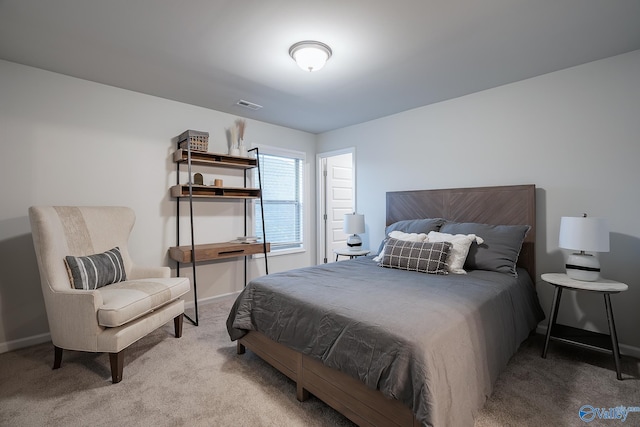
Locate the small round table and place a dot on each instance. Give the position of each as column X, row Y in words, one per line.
column 350, row 252
column 577, row 336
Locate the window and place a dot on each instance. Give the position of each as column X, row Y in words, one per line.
column 282, row 186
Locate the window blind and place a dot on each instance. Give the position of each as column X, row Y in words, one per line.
column 282, row 183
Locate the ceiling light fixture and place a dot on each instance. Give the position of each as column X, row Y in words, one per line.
column 310, row 55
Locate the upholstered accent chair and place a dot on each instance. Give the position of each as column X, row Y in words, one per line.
column 78, row 247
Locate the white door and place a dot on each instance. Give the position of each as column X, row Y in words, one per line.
column 339, row 199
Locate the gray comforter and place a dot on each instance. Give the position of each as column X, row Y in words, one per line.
column 436, row 343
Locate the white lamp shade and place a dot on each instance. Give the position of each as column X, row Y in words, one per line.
column 587, row 234
column 353, row 223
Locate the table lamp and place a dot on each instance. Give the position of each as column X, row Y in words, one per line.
column 354, row 224
column 584, row 234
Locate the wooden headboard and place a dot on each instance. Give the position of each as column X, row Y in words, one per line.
column 508, row 205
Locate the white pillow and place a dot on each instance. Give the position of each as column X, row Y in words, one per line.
column 409, row 237
column 458, row 254
column 400, row 235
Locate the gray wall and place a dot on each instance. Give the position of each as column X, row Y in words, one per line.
column 70, row 141
column 575, row 134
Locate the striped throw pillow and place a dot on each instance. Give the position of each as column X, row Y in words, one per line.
column 95, row 271
column 425, row 257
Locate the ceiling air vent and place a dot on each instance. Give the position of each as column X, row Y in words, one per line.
column 249, row 105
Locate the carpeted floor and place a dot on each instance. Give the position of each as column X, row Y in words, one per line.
column 198, row 380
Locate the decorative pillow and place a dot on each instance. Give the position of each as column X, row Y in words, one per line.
column 95, row 271
column 459, row 249
column 501, row 247
column 416, row 256
column 400, row 235
column 417, row 226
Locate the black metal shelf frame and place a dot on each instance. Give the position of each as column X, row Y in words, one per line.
column 246, row 216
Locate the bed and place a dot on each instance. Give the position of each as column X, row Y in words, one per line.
column 386, row 346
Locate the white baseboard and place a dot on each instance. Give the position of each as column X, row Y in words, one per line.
column 209, row 300
column 626, row 350
column 39, row 339
column 24, row 342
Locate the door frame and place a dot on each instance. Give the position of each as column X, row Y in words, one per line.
column 321, row 194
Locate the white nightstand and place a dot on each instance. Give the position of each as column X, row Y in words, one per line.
column 577, row 336
column 350, row 252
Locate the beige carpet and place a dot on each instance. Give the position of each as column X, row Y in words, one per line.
column 198, row 380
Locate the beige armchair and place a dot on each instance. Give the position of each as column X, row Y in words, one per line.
column 108, row 318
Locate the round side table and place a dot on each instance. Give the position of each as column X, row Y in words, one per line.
column 581, row 337
column 351, row 253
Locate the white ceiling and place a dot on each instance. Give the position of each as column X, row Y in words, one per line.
column 388, row 56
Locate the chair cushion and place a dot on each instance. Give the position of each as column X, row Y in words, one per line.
column 126, row 301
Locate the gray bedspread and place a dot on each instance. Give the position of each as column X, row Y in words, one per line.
column 435, row 342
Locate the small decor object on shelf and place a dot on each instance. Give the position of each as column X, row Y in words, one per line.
column 247, row 239
column 235, row 136
column 199, row 141
column 241, row 124
column 217, row 182
column 198, row 179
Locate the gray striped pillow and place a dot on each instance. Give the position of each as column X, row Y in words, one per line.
column 424, row 257
column 95, row 271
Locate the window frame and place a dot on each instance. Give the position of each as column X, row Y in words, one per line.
column 283, row 152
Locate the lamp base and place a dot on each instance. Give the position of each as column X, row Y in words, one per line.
column 354, row 241
column 584, row 267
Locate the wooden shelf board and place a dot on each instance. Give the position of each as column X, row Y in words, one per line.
column 206, row 191
column 215, row 159
column 213, row 251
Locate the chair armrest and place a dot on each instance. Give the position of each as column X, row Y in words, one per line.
column 140, row 272
column 73, row 318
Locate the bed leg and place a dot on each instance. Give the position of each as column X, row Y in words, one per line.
column 240, row 348
column 301, row 393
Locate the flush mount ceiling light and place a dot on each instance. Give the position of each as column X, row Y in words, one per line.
column 310, row 55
